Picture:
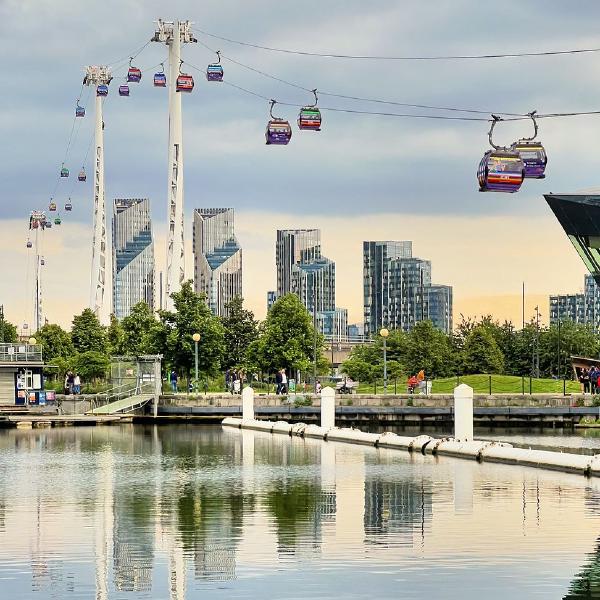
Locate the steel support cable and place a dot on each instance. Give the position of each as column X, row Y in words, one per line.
column 357, row 98
column 401, row 58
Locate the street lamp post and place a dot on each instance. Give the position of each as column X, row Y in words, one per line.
column 196, row 338
column 384, row 334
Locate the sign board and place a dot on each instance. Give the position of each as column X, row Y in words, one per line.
column 42, row 398
column 292, row 386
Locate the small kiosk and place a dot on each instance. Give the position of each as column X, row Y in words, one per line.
column 21, row 374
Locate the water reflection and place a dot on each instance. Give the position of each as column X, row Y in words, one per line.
column 174, row 511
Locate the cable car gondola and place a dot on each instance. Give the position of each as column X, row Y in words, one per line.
column 279, row 131
column 500, row 169
column 68, row 206
column 64, row 172
column 52, row 206
column 532, row 154
column 214, row 72
column 123, row 90
column 82, row 176
column 79, row 111
column 48, row 224
column 309, row 118
column 160, row 79
column 185, row 83
column 42, row 261
column 29, row 244
column 134, row 75
column 57, row 221
column 102, row 90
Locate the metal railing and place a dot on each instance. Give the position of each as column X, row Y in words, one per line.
column 15, row 353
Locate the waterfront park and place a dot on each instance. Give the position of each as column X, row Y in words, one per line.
column 181, row 452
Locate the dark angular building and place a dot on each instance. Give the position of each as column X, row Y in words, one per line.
column 579, row 215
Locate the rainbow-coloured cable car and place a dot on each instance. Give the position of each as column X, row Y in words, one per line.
column 500, row 169
column 185, row 83
column 79, row 111
column 214, row 72
column 279, row 131
column 102, row 90
column 123, row 90
column 52, row 206
column 309, row 118
column 64, row 172
column 57, row 221
column 82, row 176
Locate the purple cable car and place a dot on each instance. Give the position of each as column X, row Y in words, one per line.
column 102, row 90
column 82, row 176
column 279, row 131
column 123, row 90
column 160, row 80
column 532, row 153
column 185, row 83
column 214, row 72
column 79, row 111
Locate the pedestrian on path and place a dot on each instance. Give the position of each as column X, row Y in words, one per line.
column 173, row 379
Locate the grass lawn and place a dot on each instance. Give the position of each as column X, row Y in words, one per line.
column 501, row 384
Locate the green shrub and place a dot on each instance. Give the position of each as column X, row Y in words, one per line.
column 596, row 400
column 302, row 401
column 580, row 402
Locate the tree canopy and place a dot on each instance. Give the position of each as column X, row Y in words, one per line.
column 240, row 331
column 88, row 334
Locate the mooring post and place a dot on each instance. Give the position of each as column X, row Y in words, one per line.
column 248, row 404
column 463, row 413
column 328, row 408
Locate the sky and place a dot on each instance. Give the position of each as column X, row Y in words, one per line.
column 362, row 177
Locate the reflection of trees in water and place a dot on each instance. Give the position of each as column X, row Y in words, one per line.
column 586, row 584
column 293, row 507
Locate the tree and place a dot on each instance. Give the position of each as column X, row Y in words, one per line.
column 8, row 332
column 88, row 334
column 141, row 332
column 365, row 363
column 241, row 329
column 286, row 338
column 91, row 365
column 429, row 348
column 55, row 341
column 114, row 336
column 191, row 315
column 480, row 353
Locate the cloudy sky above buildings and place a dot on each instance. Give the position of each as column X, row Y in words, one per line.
column 362, row 177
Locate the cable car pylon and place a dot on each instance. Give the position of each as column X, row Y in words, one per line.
column 99, row 77
column 173, row 34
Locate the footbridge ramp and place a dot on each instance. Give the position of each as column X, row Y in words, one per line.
column 124, row 405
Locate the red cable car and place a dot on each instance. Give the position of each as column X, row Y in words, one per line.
column 185, row 83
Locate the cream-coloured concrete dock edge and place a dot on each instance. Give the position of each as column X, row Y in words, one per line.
column 459, row 446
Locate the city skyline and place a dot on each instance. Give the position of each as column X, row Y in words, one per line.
column 223, row 134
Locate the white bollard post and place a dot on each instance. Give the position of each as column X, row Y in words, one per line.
column 328, row 408
column 463, row 413
column 248, row 404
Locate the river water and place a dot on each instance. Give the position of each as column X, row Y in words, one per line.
column 182, row 511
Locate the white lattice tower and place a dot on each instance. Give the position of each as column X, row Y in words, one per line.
column 173, row 34
column 95, row 76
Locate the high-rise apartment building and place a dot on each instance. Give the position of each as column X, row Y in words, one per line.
column 398, row 292
column 133, row 255
column 304, row 271
column 579, row 308
column 217, row 257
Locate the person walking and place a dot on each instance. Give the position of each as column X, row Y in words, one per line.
column 594, row 376
column 318, row 387
column 284, row 382
column 173, row 379
column 77, row 384
column 278, row 381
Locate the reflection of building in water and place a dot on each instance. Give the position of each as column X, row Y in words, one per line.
column 395, row 507
column 133, row 543
column 215, row 562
